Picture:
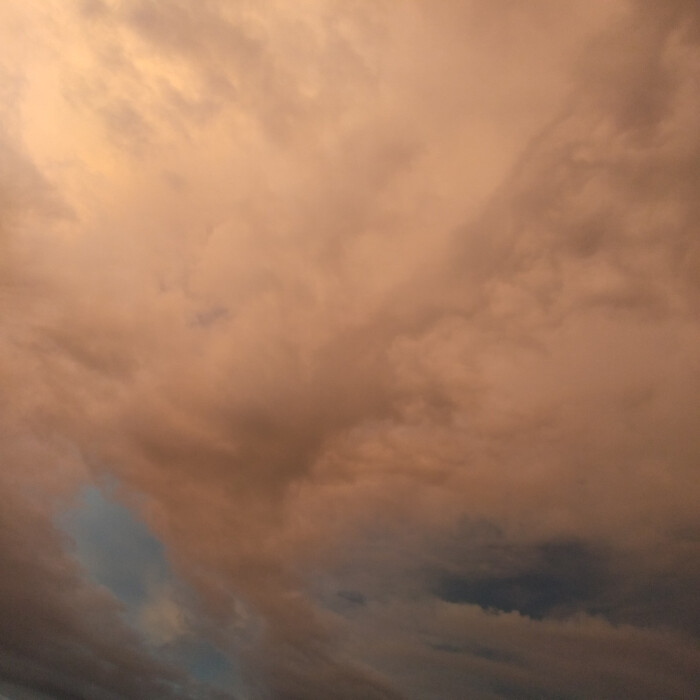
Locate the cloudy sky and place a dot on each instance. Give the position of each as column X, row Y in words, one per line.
column 349, row 349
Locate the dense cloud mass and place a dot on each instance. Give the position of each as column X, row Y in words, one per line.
column 349, row 349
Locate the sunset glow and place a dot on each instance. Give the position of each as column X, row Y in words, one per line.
column 349, row 350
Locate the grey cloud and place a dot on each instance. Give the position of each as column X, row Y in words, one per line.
column 436, row 651
column 560, row 579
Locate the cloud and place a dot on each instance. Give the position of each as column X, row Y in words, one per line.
column 444, row 649
column 386, row 321
column 61, row 636
column 163, row 618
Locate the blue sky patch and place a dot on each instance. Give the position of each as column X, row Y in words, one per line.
column 118, row 551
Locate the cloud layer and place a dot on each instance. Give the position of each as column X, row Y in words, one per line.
column 381, row 318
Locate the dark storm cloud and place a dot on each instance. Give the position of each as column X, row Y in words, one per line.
column 559, row 579
column 561, row 576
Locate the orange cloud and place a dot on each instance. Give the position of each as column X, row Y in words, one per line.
column 319, row 286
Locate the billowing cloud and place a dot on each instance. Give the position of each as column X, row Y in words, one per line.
column 349, row 349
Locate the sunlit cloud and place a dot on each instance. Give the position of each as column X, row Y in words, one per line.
column 349, row 349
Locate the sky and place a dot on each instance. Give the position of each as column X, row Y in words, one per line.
column 349, row 349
